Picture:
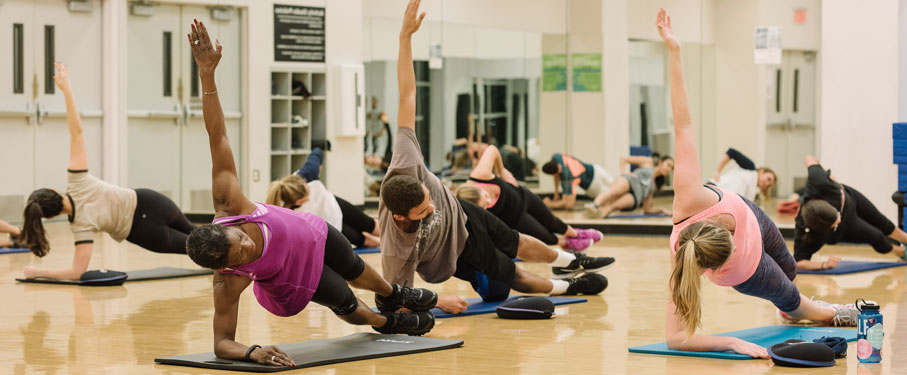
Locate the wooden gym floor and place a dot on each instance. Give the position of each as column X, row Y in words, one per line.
column 52, row 329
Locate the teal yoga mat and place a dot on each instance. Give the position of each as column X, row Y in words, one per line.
column 764, row 336
column 850, row 266
column 367, row 250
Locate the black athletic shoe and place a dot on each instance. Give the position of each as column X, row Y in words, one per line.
column 589, row 284
column 415, row 299
column 582, row 263
column 413, row 324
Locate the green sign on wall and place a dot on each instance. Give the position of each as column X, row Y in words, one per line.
column 587, row 72
column 554, row 72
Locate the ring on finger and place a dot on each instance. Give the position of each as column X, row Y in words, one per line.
column 272, row 358
column 196, row 42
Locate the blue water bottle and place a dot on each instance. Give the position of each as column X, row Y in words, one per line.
column 869, row 332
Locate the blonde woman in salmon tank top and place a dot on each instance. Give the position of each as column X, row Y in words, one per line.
column 725, row 237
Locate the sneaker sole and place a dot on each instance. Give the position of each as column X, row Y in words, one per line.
column 579, row 272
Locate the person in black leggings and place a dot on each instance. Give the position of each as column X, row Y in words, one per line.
column 303, row 191
column 519, row 207
column 141, row 216
column 831, row 212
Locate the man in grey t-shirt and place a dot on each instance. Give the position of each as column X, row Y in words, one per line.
column 425, row 229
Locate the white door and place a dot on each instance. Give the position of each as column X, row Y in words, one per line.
column 791, row 118
column 168, row 144
column 32, row 111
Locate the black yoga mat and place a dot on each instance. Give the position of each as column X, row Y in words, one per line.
column 355, row 347
column 137, row 275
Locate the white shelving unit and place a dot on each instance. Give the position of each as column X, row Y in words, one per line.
column 295, row 119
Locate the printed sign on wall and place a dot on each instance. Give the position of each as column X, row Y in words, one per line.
column 768, row 45
column 587, row 72
column 298, row 33
column 554, row 72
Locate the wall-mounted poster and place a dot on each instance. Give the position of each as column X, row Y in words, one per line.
column 554, row 72
column 587, row 72
column 298, row 33
column 768, row 45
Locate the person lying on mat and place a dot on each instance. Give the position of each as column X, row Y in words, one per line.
column 303, row 191
column 518, row 207
column 12, row 231
column 727, row 238
column 141, row 216
column 293, row 257
column 633, row 189
column 831, row 212
column 744, row 179
column 426, row 229
column 570, row 173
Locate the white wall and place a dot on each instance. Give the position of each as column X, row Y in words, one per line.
column 855, row 133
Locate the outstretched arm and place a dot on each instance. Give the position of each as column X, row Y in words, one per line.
column 228, row 197
column 79, row 266
column 723, row 162
column 78, row 158
column 406, row 77
column 642, row 161
column 679, row 339
column 692, row 197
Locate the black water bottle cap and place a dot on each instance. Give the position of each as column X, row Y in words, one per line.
column 866, row 305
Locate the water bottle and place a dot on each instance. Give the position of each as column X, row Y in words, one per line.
column 869, row 332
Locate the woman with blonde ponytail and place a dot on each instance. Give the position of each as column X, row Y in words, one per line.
column 725, row 237
column 303, row 191
column 141, row 216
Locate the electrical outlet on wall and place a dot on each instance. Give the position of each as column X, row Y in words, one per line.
column 256, row 175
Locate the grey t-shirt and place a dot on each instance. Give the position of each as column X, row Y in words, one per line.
column 434, row 248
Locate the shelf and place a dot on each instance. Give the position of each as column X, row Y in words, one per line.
column 297, row 161
column 280, row 83
column 280, row 139
column 280, row 166
column 319, row 84
column 317, row 97
column 280, row 111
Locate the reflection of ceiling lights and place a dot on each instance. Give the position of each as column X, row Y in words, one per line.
column 143, row 8
column 80, row 6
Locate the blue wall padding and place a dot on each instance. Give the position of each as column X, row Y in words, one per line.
column 900, row 151
column 899, row 130
column 640, row 151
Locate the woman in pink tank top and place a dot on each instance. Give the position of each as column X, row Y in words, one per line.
column 292, row 257
column 725, row 237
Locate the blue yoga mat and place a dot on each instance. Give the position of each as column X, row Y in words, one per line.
column 367, row 250
column 12, row 250
column 477, row 306
column 764, row 336
column 637, row 216
column 849, row 266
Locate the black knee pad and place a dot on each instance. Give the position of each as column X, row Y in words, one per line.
column 349, row 305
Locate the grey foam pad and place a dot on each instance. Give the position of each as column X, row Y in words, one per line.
column 138, row 275
column 355, row 347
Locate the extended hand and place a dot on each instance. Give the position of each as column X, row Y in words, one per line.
column 748, row 348
column 206, row 55
column 270, row 355
column 451, row 304
column 663, row 24
column 831, row 262
column 30, row 272
column 61, row 77
column 412, row 19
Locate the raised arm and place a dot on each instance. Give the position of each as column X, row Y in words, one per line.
column 691, row 196
column 722, row 162
column 78, row 158
column 228, row 197
column 488, row 164
column 406, row 77
column 642, row 161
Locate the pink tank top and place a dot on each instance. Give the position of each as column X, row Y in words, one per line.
column 292, row 257
column 747, row 239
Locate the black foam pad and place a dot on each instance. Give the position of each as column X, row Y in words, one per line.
column 102, row 278
column 355, row 347
column 799, row 353
column 526, row 308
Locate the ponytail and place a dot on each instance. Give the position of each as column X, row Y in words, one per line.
column 702, row 245
column 286, row 191
column 469, row 193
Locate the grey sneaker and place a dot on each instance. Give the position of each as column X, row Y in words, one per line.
column 590, row 210
column 845, row 315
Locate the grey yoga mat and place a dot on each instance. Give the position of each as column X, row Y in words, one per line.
column 355, row 347
column 138, row 275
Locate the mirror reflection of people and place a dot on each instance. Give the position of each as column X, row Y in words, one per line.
column 831, row 212
column 491, row 186
column 426, row 229
column 744, row 179
column 303, row 191
column 292, row 257
column 726, row 238
column 634, row 189
column 570, row 173
column 141, row 216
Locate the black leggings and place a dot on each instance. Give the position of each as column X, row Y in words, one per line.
column 869, row 226
column 355, row 222
column 340, row 264
column 158, row 224
column 538, row 221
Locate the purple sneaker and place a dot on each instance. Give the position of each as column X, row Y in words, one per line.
column 591, row 234
column 577, row 243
